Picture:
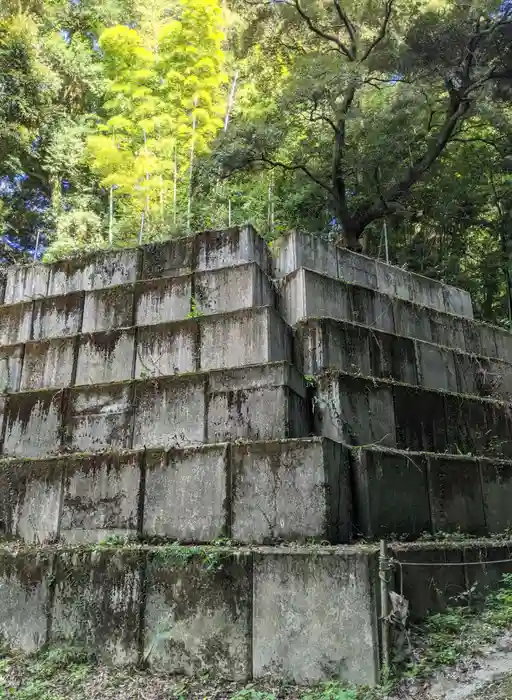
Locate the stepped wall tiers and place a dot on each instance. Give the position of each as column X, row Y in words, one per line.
column 268, row 406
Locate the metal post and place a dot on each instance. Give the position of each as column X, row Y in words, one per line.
column 384, row 569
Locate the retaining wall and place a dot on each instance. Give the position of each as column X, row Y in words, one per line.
column 233, row 612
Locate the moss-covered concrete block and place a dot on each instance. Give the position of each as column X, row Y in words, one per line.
column 25, row 579
column 15, row 323
column 106, row 357
column 232, row 288
column 390, row 493
column 165, row 349
column 58, row 316
column 161, row 300
column 30, row 499
column 97, row 602
column 109, row 309
column 101, row 497
column 186, row 493
column 100, row 418
column 25, row 282
column 198, row 612
column 33, row 424
column 11, row 363
column 170, row 412
column 315, row 615
column 48, row 364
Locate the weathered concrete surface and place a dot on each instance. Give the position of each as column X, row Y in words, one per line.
column 232, row 288
column 15, row 323
column 95, row 271
column 304, row 294
column 169, row 348
column 108, row 309
column 58, row 316
column 33, row 424
column 198, row 618
column 390, row 493
column 292, row 490
column 30, row 498
column 24, row 595
column 497, row 494
column 97, row 602
column 48, row 364
column 297, row 250
column 186, row 493
column 456, row 495
column 167, row 299
column 315, row 615
column 367, row 411
column 240, row 408
column 170, row 412
column 100, row 418
column 235, row 246
column 11, row 362
column 249, row 337
column 106, row 357
column 355, row 411
column 101, row 497
column 26, row 282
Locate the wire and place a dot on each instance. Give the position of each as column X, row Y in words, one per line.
column 452, row 563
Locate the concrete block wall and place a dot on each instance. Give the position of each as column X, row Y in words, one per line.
column 234, row 611
column 160, row 393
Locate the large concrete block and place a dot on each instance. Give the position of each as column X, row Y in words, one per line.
column 456, row 499
column 480, row 339
column 232, row 288
column 305, row 294
column 95, row 271
column 186, row 494
column 248, row 337
column 447, row 330
column 371, row 309
column 263, row 402
column 58, row 316
column 198, row 614
column 169, row 348
column 420, row 419
column 11, row 363
column 234, row 246
column 497, row 494
column 348, row 410
column 290, row 490
column 101, row 497
column 33, row 424
column 24, row 283
column 503, row 344
column 315, row 615
column 172, row 258
column 100, row 418
column 106, row 357
column 167, row 299
column 15, row 323
column 412, row 321
column 25, row 580
column 390, row 493
column 108, row 309
column 296, row 250
column 48, row 364
column 97, row 602
column 170, row 412
column 428, row 584
column 436, row 367
column 30, row 499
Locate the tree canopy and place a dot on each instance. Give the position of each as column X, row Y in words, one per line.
column 384, row 124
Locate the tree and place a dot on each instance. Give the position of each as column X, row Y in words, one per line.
column 359, row 72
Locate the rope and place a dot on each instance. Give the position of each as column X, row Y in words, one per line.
column 452, row 563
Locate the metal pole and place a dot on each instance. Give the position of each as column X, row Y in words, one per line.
column 384, row 568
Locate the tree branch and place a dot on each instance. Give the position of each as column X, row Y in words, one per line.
column 294, row 168
column 351, row 30
column 382, row 33
column 319, row 32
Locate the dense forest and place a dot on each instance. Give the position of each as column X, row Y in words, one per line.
column 384, row 124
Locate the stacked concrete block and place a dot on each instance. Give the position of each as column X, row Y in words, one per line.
column 205, row 389
column 297, row 250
